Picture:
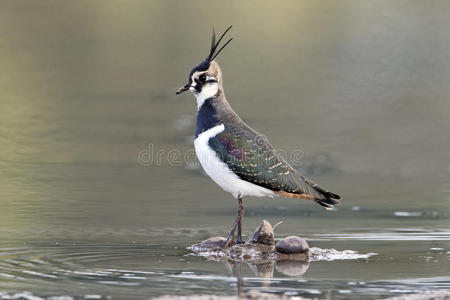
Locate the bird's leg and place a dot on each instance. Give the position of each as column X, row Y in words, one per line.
column 241, row 214
column 236, row 223
column 233, row 229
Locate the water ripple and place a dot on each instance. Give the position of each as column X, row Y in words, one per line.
column 393, row 235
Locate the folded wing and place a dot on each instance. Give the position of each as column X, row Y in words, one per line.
column 249, row 155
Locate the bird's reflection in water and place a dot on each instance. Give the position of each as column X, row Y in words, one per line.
column 265, row 270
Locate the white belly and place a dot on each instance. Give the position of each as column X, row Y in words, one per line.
column 219, row 171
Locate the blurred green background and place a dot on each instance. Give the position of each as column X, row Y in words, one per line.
column 361, row 88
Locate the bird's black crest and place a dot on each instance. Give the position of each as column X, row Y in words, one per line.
column 214, row 45
column 204, row 65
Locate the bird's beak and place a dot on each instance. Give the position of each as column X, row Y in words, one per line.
column 183, row 89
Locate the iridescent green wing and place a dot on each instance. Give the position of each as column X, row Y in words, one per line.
column 252, row 158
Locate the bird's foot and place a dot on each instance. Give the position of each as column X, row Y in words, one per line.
column 239, row 240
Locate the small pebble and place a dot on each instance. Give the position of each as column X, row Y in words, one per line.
column 292, row 245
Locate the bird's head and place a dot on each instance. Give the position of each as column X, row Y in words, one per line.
column 205, row 79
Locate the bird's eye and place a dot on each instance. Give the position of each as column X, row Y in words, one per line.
column 202, row 78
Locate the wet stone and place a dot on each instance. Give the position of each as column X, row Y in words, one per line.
column 292, row 245
column 213, row 243
column 262, row 235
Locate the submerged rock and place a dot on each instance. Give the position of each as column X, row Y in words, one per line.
column 262, row 235
column 211, row 244
column 292, row 245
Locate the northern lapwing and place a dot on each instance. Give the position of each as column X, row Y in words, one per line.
column 236, row 157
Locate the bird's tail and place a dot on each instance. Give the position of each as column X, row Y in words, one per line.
column 328, row 203
column 326, row 198
column 312, row 191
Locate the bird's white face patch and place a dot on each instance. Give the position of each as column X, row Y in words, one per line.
column 209, row 90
